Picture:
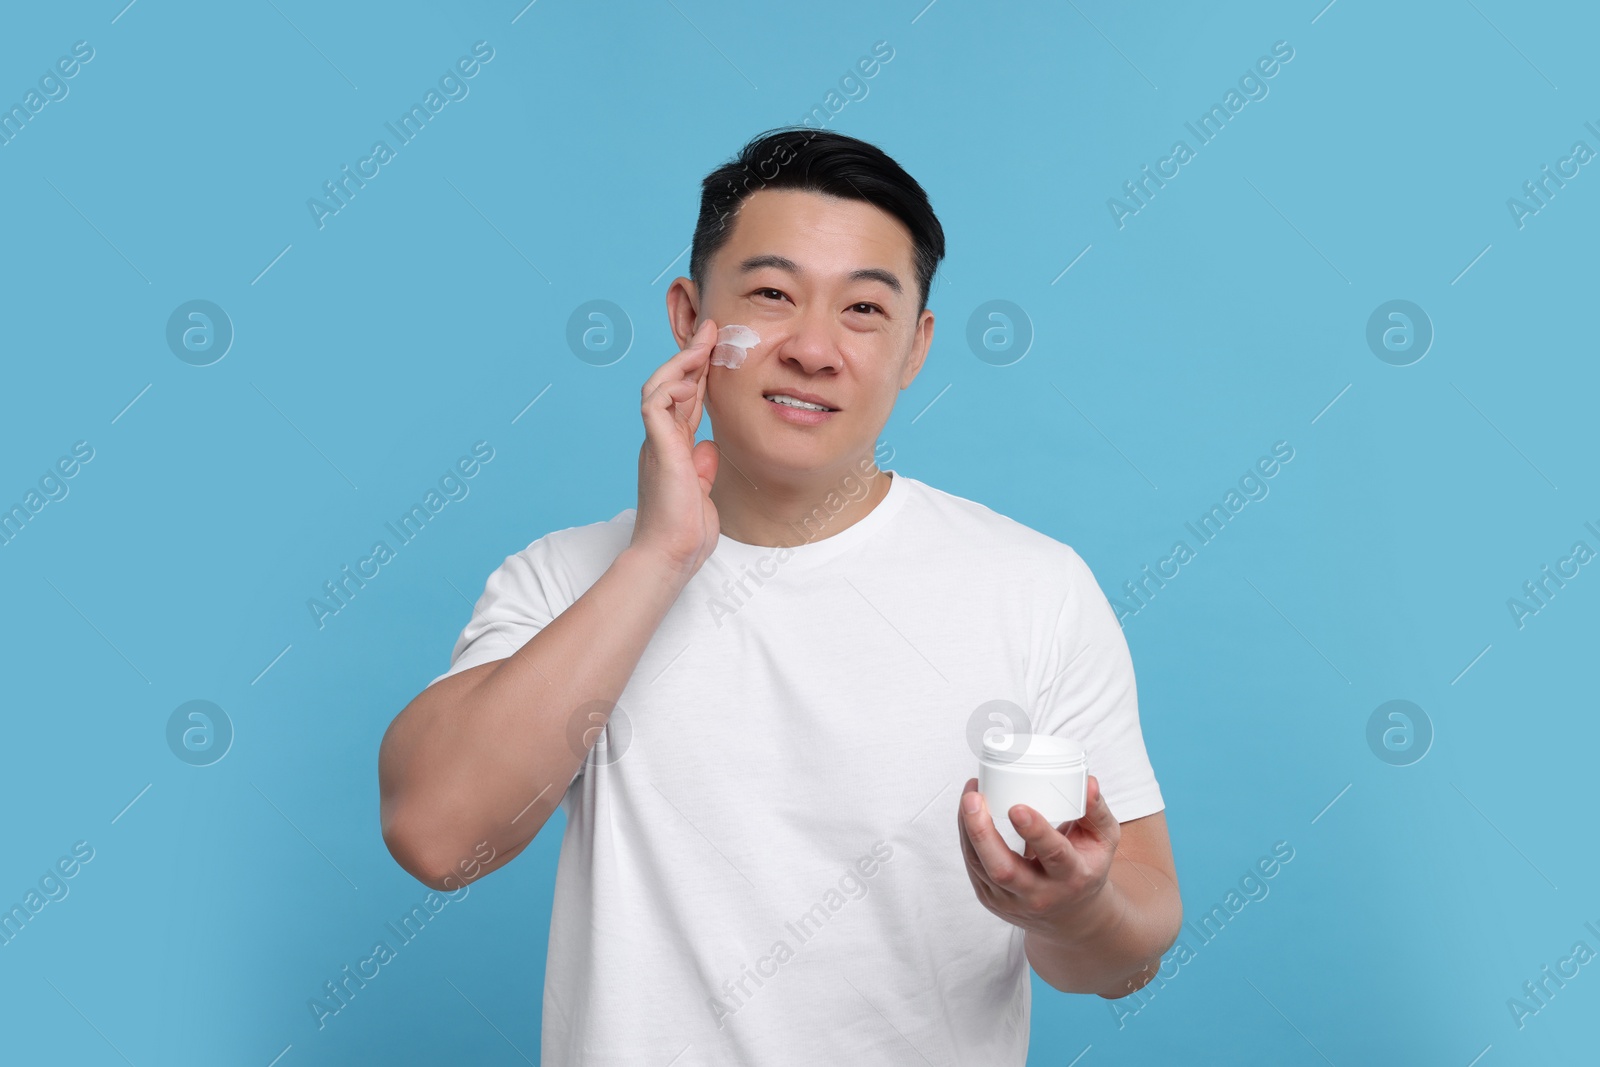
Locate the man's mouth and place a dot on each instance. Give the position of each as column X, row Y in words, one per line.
column 791, row 401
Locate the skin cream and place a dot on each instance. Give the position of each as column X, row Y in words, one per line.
column 733, row 344
column 1047, row 772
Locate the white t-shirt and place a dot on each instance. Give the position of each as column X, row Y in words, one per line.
column 761, row 863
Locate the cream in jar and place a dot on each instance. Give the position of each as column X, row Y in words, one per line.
column 1047, row 772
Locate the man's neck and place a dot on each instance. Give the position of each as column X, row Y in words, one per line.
column 791, row 514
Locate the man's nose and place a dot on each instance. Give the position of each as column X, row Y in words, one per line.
column 813, row 343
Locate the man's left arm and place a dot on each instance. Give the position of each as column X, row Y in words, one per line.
column 1098, row 899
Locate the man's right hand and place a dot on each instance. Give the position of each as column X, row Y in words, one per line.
column 676, row 520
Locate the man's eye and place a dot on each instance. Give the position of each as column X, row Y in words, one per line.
column 869, row 307
column 777, row 293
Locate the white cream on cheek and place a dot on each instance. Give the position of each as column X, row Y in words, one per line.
column 733, row 344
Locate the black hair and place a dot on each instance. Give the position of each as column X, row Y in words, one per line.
column 820, row 161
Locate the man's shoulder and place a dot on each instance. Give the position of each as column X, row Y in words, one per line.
column 972, row 524
column 580, row 548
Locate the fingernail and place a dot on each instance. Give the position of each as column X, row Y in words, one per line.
column 969, row 803
column 1022, row 819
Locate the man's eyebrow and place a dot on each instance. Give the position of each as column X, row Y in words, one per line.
column 784, row 263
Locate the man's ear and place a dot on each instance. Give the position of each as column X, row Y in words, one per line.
column 683, row 309
column 921, row 341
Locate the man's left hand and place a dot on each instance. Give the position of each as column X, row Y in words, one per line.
column 1060, row 886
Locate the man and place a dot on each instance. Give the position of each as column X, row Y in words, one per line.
column 754, row 695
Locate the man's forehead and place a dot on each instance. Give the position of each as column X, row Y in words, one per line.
column 789, row 266
column 809, row 235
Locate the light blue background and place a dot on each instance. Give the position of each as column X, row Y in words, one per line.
column 1228, row 314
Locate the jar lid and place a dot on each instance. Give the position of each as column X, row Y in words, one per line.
column 1033, row 750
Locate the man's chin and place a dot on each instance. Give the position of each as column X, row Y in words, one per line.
column 787, row 458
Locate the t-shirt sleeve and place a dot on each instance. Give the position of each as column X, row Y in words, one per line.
column 519, row 599
column 1089, row 695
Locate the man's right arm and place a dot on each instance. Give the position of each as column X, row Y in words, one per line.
column 486, row 755
column 482, row 758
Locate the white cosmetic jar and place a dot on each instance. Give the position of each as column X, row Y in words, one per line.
column 1047, row 772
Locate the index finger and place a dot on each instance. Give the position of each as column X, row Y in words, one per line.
column 677, row 368
column 1050, row 846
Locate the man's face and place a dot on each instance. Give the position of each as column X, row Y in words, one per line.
column 816, row 278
